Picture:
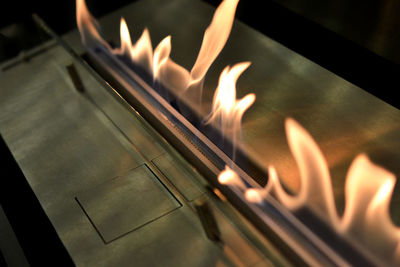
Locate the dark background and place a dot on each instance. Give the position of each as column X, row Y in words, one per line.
column 357, row 40
column 17, row 30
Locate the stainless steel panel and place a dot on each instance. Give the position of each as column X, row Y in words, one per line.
column 241, row 249
column 127, row 124
column 65, row 145
column 181, row 176
column 126, row 203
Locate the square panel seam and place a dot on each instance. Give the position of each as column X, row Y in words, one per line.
column 119, row 193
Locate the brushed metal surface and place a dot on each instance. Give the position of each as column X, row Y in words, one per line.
column 344, row 119
column 65, row 145
column 180, row 176
column 63, row 148
column 126, row 203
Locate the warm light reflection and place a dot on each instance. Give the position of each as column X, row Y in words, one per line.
column 368, row 190
column 368, row 187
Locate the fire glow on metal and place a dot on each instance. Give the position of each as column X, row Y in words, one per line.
column 366, row 219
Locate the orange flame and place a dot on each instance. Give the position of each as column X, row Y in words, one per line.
column 368, row 191
column 87, row 25
column 126, row 44
column 316, row 189
column 226, row 109
column 215, row 38
column 255, row 195
column 366, row 215
column 229, row 177
column 141, row 53
column 161, row 55
column 161, row 66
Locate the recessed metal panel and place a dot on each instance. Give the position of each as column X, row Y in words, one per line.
column 126, row 203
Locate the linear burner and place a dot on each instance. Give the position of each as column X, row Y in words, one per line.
column 300, row 233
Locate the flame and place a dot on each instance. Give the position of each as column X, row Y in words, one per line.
column 380, row 232
column 316, row 189
column 161, row 66
column 87, row 25
column 126, row 44
column 215, row 38
column 226, row 109
column 141, row 53
column 368, row 190
column 161, row 55
column 255, row 195
column 368, row 187
column 230, row 177
column 172, row 75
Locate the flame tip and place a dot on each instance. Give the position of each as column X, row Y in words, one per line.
column 253, row 195
column 362, row 157
column 289, row 122
column 271, row 169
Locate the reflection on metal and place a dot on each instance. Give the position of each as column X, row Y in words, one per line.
column 68, row 149
column 70, row 146
column 67, row 146
column 144, row 98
